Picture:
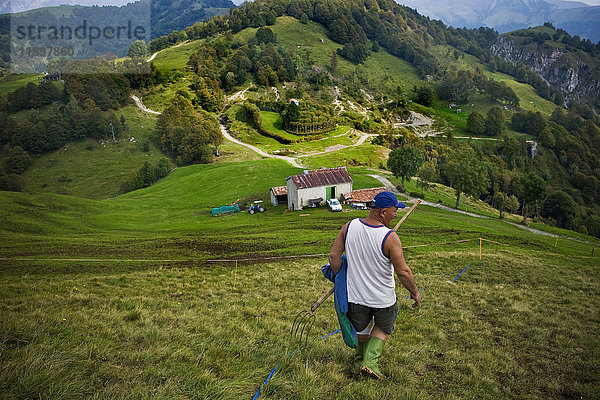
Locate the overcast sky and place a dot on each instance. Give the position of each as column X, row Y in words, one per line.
column 21, row 5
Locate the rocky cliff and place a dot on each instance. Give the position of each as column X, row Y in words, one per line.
column 560, row 68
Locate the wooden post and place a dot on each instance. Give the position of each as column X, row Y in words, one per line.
column 480, row 248
column 235, row 275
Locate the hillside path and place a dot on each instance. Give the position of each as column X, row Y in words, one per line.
column 155, row 54
column 364, row 136
column 390, row 186
column 292, row 160
column 141, row 105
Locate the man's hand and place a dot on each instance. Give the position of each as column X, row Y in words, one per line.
column 417, row 298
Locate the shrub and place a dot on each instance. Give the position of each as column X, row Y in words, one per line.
column 17, row 160
column 12, row 183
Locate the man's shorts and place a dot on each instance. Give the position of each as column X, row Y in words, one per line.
column 360, row 316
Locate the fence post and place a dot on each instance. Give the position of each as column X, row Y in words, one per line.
column 235, row 275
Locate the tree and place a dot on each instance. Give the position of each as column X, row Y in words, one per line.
column 561, row 207
column 427, row 174
column 494, row 124
column 476, row 123
column 264, row 34
column 12, row 183
column 17, row 160
column 334, row 62
column 500, row 202
column 425, row 95
column 531, row 188
column 512, row 203
column 291, row 113
column 186, row 135
column 466, row 173
column 547, row 139
column 138, row 49
column 405, row 162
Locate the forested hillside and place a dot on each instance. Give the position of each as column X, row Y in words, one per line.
column 375, row 65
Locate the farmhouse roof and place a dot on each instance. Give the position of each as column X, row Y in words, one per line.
column 279, row 190
column 321, row 177
column 363, row 195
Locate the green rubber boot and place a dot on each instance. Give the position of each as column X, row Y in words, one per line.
column 359, row 356
column 372, row 353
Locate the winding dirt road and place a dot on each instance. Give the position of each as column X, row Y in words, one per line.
column 294, row 161
column 389, row 185
column 141, row 105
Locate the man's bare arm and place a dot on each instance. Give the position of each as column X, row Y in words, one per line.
column 337, row 249
column 393, row 247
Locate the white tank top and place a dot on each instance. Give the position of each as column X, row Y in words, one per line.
column 370, row 274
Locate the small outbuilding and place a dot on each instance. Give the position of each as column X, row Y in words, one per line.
column 362, row 196
column 279, row 195
column 313, row 187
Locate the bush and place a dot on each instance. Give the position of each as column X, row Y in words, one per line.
column 146, row 175
column 12, row 183
column 64, row 191
column 17, row 160
column 417, row 195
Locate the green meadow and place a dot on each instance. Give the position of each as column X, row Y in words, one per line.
column 12, row 82
column 96, row 169
column 148, row 296
column 105, row 295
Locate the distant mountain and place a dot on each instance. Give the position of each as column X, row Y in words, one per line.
column 83, row 31
column 12, row 6
column 577, row 18
column 170, row 15
column 167, row 15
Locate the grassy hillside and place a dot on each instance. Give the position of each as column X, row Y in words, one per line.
column 96, row 169
column 385, row 72
column 146, row 294
column 519, row 323
column 14, row 81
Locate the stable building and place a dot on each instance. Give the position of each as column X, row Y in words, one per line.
column 279, row 195
column 314, row 187
column 362, row 197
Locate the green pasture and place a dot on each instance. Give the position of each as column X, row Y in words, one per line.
column 93, row 169
column 154, row 316
column 176, row 58
column 271, row 122
column 364, row 155
column 528, row 98
column 385, row 71
column 12, row 82
column 172, row 61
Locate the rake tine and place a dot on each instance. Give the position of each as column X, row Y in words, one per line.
column 298, row 322
column 302, row 325
column 306, row 330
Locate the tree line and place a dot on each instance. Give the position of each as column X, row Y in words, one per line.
column 559, row 185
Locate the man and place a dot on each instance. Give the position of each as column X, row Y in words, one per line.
column 373, row 253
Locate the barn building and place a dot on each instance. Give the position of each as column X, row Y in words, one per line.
column 362, row 197
column 314, row 187
column 279, row 195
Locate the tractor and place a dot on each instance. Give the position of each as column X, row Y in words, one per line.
column 257, row 206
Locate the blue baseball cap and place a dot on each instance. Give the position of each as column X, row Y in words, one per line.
column 385, row 200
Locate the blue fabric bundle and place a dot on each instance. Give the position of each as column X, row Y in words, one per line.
column 340, row 300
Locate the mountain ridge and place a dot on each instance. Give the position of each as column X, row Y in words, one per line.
column 509, row 15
